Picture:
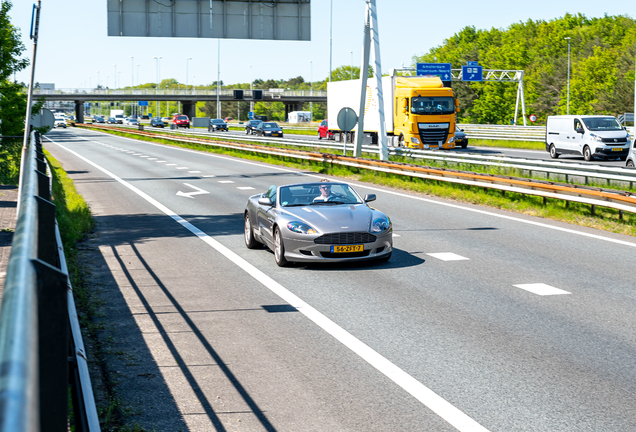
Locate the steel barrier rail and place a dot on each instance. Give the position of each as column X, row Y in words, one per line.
column 622, row 201
column 34, row 320
column 599, row 172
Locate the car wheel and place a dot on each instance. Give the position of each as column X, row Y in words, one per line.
column 279, row 249
column 553, row 152
column 247, row 132
column 319, row 136
column 250, row 241
column 464, row 144
column 630, row 163
column 587, row 154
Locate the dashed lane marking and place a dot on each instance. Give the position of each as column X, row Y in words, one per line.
column 542, row 289
column 447, row 256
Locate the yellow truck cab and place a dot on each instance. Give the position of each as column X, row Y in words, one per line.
column 424, row 113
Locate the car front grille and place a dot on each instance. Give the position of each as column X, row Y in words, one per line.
column 345, row 255
column 345, row 238
column 615, row 141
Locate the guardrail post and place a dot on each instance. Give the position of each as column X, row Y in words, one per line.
column 52, row 347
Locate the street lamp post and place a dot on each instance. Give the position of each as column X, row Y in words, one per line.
column 252, row 90
column 351, row 53
column 568, row 100
column 330, row 36
column 218, row 82
column 157, row 85
column 115, row 76
column 187, row 64
column 311, row 83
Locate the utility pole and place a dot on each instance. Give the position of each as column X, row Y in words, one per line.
column 568, row 100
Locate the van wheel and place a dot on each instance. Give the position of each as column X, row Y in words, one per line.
column 587, row 153
column 630, row 163
column 553, row 153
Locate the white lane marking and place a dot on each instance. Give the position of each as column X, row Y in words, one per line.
column 542, row 289
column 209, row 176
column 198, row 191
column 396, row 235
column 137, row 154
column 226, row 181
column 419, row 391
column 181, row 168
column 171, row 164
column 194, row 172
column 426, row 200
column 245, row 188
column 144, row 156
column 447, row 256
column 161, row 162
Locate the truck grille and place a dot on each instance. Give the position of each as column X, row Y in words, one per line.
column 433, row 136
column 345, row 238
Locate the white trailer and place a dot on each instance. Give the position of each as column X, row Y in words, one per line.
column 117, row 114
column 299, row 117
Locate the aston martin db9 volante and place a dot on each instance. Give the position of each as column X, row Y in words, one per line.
column 317, row 222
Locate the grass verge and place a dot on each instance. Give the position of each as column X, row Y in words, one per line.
column 579, row 214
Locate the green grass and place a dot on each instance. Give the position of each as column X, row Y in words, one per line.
column 522, row 145
column 579, row 214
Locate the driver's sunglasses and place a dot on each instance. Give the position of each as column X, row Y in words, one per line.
column 325, row 187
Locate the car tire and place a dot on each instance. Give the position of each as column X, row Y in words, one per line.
column 250, row 241
column 587, row 154
column 279, row 249
column 319, row 136
column 247, row 132
column 465, row 144
column 553, row 152
column 630, row 163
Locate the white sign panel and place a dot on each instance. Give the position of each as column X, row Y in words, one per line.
column 276, row 20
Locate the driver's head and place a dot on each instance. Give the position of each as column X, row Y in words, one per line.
column 325, row 189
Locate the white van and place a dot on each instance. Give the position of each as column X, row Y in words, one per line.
column 589, row 136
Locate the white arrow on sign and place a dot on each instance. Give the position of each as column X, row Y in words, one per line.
column 198, row 191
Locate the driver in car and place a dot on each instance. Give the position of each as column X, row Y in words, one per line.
column 325, row 193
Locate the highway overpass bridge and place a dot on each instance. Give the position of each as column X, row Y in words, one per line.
column 293, row 99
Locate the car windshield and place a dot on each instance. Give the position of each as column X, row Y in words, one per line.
column 217, row 121
column 602, row 124
column 270, row 126
column 182, row 118
column 432, row 105
column 318, row 194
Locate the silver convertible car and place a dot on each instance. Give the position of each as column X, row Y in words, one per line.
column 317, row 222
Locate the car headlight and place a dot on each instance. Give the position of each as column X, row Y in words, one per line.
column 451, row 139
column 415, row 140
column 380, row 224
column 596, row 138
column 301, row 228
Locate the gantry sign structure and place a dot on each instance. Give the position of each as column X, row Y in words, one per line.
column 235, row 19
column 501, row 75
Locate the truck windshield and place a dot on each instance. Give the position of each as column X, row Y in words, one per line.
column 602, row 124
column 432, row 105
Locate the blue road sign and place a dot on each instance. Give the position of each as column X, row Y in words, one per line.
column 470, row 63
column 143, row 103
column 472, row 73
column 250, row 115
column 442, row 70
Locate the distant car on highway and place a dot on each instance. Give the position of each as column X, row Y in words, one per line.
column 145, row 117
column 157, row 122
column 181, row 120
column 111, row 120
column 131, row 122
column 631, row 157
column 323, row 130
column 268, row 129
column 217, row 125
column 304, row 223
column 461, row 140
column 60, row 122
column 98, row 119
column 251, row 125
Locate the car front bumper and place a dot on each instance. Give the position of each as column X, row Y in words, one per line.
column 298, row 250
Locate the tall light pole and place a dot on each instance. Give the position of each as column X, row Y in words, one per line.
column 330, row 34
column 568, row 100
column 157, row 85
column 252, row 90
column 218, row 82
column 351, row 53
column 187, row 64
column 107, row 76
column 132, row 72
column 311, row 83
column 97, row 79
column 115, row 76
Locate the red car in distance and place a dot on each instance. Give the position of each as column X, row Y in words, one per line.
column 323, row 130
column 181, row 120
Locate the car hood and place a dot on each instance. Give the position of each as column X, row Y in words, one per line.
column 333, row 218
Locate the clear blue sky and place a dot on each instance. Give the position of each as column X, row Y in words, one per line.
column 73, row 46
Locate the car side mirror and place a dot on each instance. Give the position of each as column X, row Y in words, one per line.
column 266, row 201
column 369, row 197
column 580, row 130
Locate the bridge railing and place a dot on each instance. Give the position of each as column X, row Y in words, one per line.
column 35, row 348
column 171, row 92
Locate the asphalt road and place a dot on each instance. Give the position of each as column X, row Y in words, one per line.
column 482, row 320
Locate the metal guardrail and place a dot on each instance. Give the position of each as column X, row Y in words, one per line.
column 34, row 316
column 549, row 168
column 622, row 201
column 169, row 92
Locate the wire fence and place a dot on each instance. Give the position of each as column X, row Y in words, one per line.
column 10, row 149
